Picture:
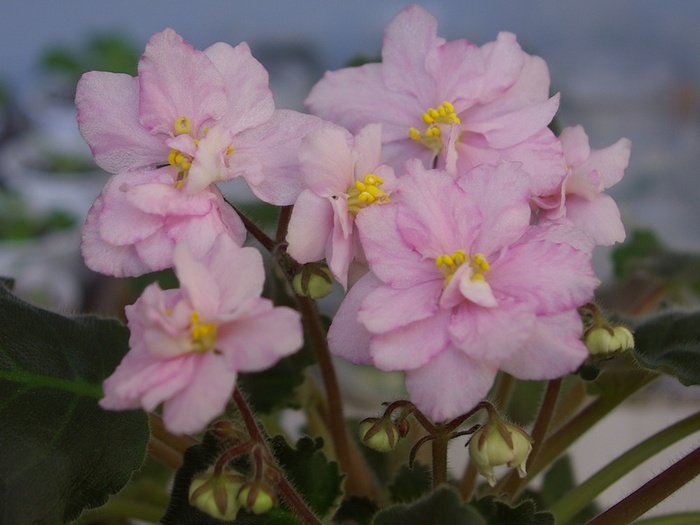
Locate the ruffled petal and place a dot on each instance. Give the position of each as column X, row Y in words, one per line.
column 449, row 385
column 310, row 227
column 177, row 80
column 108, row 121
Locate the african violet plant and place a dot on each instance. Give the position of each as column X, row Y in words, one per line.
column 461, row 227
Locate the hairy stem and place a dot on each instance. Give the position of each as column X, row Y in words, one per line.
column 652, row 492
column 290, row 496
column 440, row 459
column 568, row 506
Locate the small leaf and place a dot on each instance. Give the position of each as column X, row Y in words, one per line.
column 440, row 507
column 310, row 473
column 670, row 343
column 410, row 484
column 61, row 452
column 499, row 513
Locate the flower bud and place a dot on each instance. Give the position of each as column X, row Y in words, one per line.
column 499, row 443
column 607, row 340
column 381, row 438
column 256, row 497
column 314, row 281
column 217, row 494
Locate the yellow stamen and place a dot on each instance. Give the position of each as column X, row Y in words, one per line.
column 203, row 335
column 182, row 125
column 443, row 115
column 366, row 192
column 448, row 264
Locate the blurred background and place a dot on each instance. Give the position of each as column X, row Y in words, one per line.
column 624, row 67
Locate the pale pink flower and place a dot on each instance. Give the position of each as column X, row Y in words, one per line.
column 451, row 104
column 209, row 114
column 462, row 285
column 342, row 176
column 188, row 345
column 580, row 200
column 139, row 217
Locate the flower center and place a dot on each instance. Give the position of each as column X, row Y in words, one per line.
column 181, row 160
column 203, row 335
column 448, row 264
column 366, row 192
column 443, row 115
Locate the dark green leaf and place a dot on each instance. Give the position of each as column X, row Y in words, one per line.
column 410, row 484
column 639, row 246
column 61, row 452
column 670, row 343
column 498, row 513
column 307, row 468
column 355, row 511
column 618, row 376
column 437, row 508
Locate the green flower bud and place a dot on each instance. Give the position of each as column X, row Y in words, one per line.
column 257, row 498
column 607, row 340
column 314, row 281
column 215, row 494
column 499, row 443
column 382, row 438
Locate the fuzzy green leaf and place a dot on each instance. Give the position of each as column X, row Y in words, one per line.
column 317, row 480
column 61, row 452
column 670, row 343
column 410, row 483
column 498, row 513
column 437, row 508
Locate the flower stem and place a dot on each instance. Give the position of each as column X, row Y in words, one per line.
column 568, row 506
column 262, row 237
column 290, row 496
column 336, row 420
column 578, row 425
column 681, row 518
column 283, row 223
column 440, row 458
column 652, row 492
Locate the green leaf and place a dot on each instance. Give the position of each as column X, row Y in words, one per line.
column 670, row 343
column 355, row 511
column 437, row 508
column 559, row 480
column 410, row 484
column 61, row 452
column 499, row 513
column 317, row 480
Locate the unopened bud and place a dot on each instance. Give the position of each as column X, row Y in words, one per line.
column 256, row 497
column 217, row 494
column 608, row 340
column 382, row 437
column 499, row 443
column 314, row 280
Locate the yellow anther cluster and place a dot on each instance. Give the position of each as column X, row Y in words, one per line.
column 182, row 125
column 366, row 192
column 180, row 160
column 203, row 335
column 448, row 264
column 444, row 114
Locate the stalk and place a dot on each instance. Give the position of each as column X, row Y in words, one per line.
column 569, row 505
column 652, row 492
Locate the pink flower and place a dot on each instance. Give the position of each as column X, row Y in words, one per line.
column 450, row 103
column 342, row 176
column 209, row 114
column 580, row 199
column 135, row 223
column 187, row 345
column 461, row 285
